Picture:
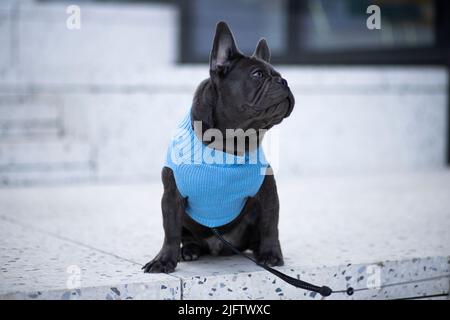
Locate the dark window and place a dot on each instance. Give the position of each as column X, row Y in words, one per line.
column 322, row 31
column 248, row 19
column 341, row 25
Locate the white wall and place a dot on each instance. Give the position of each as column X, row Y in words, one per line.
column 100, row 103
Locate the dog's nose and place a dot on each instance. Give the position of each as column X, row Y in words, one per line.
column 281, row 81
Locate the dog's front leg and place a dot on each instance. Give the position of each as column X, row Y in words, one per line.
column 268, row 251
column 173, row 206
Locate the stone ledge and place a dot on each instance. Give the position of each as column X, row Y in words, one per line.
column 336, row 231
column 36, row 265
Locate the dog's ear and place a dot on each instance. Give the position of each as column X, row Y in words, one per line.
column 224, row 49
column 262, row 50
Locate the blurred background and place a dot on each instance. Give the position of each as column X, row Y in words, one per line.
column 99, row 103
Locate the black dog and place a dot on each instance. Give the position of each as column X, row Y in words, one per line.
column 242, row 92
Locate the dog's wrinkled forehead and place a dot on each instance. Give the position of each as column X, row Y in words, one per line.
column 254, row 63
column 250, row 64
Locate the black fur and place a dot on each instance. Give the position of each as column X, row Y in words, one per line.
column 235, row 96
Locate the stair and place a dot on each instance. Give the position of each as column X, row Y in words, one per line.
column 34, row 146
column 385, row 236
column 32, row 161
column 35, row 121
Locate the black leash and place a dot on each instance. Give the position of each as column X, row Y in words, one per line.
column 324, row 290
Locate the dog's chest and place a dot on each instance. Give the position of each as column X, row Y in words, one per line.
column 216, row 184
column 216, row 194
column 217, row 181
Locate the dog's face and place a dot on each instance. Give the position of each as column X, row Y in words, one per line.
column 250, row 92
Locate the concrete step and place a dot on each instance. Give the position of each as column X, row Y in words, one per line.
column 33, row 129
column 20, row 118
column 385, row 235
column 28, row 161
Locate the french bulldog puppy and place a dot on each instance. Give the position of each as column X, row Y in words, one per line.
column 242, row 92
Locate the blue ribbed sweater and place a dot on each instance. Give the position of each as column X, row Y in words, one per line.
column 215, row 183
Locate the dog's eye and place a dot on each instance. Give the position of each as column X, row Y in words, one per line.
column 257, row 74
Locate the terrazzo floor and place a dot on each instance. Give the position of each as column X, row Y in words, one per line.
column 387, row 236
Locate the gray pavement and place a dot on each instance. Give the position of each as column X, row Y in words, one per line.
column 386, row 236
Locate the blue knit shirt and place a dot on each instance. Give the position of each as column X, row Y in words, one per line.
column 215, row 183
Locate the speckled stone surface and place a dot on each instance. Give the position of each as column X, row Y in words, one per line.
column 35, row 265
column 386, row 236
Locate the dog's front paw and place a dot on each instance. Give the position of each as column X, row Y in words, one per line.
column 190, row 252
column 160, row 264
column 270, row 258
